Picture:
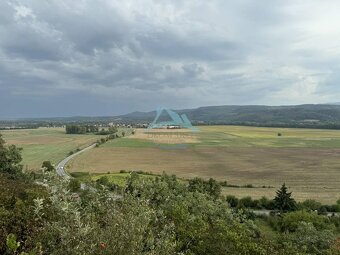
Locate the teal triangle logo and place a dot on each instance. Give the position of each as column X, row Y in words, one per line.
column 177, row 121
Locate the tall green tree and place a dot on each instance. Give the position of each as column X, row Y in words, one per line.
column 10, row 158
column 283, row 200
column 74, row 185
column 211, row 187
column 48, row 166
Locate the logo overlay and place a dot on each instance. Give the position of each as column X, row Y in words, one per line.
column 176, row 122
column 176, row 132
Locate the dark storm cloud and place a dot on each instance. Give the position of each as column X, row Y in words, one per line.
column 109, row 57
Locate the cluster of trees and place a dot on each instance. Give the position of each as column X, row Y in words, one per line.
column 83, row 129
column 160, row 215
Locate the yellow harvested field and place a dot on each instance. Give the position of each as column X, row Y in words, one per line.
column 166, row 136
column 310, row 173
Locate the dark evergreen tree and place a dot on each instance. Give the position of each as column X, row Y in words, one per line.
column 283, row 200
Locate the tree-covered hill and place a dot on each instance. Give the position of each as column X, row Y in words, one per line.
column 310, row 116
column 322, row 116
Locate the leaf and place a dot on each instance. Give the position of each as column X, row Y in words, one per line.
column 11, row 242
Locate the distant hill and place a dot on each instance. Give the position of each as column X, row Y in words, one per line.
column 309, row 115
column 327, row 116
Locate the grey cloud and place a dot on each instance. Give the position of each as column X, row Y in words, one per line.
column 138, row 55
column 193, row 47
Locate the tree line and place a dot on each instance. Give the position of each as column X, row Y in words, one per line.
column 83, row 129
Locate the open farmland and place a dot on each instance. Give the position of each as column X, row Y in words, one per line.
column 308, row 160
column 45, row 144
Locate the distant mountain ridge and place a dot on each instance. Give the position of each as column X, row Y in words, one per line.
column 308, row 115
column 311, row 115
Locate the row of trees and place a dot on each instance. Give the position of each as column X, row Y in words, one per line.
column 108, row 138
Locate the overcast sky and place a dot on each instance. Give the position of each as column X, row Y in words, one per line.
column 105, row 57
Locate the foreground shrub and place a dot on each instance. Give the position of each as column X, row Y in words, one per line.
column 98, row 222
column 310, row 240
column 291, row 221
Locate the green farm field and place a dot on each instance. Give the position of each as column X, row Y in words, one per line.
column 45, row 144
column 307, row 160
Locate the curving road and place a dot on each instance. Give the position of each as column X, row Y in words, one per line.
column 61, row 166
